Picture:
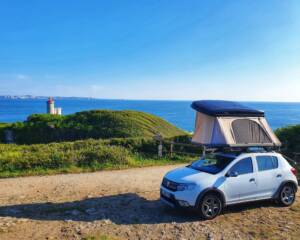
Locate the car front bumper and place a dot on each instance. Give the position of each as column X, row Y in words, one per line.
column 177, row 199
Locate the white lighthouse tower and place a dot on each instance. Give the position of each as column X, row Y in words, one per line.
column 51, row 108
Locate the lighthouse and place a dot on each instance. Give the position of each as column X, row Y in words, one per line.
column 51, row 109
column 50, row 106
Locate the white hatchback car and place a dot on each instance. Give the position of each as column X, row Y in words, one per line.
column 221, row 179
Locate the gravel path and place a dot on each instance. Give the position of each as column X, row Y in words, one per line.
column 124, row 205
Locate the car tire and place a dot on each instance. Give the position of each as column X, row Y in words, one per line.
column 287, row 195
column 210, row 206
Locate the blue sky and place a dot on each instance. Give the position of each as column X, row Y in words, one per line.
column 238, row 50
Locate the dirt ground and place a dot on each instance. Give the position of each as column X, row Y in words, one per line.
column 125, row 205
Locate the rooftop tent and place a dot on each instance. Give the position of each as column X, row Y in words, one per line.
column 225, row 123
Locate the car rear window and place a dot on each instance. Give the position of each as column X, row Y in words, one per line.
column 266, row 162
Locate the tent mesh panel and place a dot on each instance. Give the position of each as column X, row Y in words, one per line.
column 248, row 131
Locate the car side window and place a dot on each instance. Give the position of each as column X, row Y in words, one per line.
column 266, row 162
column 244, row 166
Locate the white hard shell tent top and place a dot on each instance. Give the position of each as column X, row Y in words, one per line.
column 230, row 124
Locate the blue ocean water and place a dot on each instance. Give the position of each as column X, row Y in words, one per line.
column 177, row 112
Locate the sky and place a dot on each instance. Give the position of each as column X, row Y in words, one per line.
column 246, row 50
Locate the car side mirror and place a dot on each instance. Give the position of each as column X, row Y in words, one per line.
column 231, row 174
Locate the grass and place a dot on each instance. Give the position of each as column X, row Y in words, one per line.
column 81, row 156
column 75, row 169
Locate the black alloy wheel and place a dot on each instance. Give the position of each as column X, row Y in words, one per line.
column 210, row 206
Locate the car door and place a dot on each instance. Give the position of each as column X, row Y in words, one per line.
column 269, row 175
column 241, row 182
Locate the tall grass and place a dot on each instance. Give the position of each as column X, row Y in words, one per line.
column 79, row 156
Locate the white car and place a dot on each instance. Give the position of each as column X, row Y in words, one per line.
column 222, row 179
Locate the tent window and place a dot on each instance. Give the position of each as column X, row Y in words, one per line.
column 248, row 131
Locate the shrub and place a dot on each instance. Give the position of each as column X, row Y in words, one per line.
column 60, row 155
column 3, row 126
column 290, row 138
column 83, row 155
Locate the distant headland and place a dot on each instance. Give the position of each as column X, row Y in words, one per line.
column 39, row 97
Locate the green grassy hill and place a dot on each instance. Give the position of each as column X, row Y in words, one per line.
column 44, row 128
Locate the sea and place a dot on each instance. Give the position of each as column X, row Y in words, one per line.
column 179, row 113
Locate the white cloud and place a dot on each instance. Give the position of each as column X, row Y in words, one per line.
column 22, row 76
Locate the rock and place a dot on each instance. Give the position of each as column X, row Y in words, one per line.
column 78, row 231
column 49, row 238
column 210, row 236
column 7, row 224
column 107, row 221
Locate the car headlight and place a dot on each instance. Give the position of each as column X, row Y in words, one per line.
column 185, row 186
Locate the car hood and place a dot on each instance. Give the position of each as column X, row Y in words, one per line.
column 187, row 174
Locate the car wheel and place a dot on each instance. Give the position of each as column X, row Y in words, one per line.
column 287, row 195
column 210, row 206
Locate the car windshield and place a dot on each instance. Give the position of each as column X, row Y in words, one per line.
column 213, row 163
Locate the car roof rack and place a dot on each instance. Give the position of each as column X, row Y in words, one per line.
column 239, row 150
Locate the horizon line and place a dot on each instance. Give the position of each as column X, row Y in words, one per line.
column 30, row 96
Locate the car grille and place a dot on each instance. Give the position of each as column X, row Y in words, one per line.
column 169, row 185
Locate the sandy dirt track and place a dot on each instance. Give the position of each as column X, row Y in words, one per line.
column 125, row 205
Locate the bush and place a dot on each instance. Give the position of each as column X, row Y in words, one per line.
column 290, row 138
column 83, row 155
column 3, row 126
column 61, row 155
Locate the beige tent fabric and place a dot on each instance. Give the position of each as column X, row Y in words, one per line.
column 203, row 128
column 269, row 130
column 209, row 128
column 225, row 124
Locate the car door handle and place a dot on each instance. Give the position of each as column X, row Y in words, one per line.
column 279, row 175
column 252, row 180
